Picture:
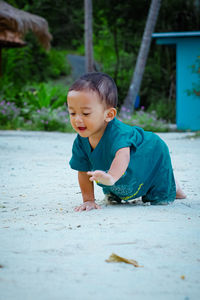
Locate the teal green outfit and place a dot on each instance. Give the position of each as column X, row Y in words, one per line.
column 149, row 173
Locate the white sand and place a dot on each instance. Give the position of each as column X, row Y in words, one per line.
column 50, row 252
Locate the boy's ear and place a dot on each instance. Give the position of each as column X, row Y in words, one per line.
column 110, row 113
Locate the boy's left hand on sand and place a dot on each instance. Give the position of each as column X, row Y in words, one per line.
column 87, row 205
column 101, row 177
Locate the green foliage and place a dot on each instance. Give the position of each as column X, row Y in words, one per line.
column 32, row 64
column 58, row 62
column 65, row 18
column 44, row 95
column 117, row 28
column 28, row 66
column 22, row 65
column 147, row 121
column 9, row 113
column 9, row 91
column 178, row 15
column 126, row 26
column 116, row 65
column 28, row 118
column 165, row 109
column 50, row 120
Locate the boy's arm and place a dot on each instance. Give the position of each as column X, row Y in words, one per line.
column 87, row 190
column 117, row 168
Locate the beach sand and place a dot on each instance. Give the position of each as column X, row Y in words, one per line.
column 50, row 252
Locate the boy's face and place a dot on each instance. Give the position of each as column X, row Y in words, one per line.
column 88, row 114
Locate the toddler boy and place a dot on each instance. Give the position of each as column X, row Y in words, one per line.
column 127, row 162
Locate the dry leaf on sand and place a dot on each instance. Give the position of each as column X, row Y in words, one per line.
column 116, row 258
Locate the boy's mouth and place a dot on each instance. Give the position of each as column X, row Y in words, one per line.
column 81, row 128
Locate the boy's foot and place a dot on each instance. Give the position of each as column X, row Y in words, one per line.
column 113, row 199
column 180, row 194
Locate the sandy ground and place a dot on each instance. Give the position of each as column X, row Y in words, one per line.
column 50, row 252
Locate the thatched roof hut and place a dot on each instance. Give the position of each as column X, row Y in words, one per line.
column 15, row 23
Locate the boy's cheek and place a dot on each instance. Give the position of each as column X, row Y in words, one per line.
column 71, row 121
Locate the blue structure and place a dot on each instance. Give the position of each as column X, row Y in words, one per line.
column 137, row 102
column 187, row 51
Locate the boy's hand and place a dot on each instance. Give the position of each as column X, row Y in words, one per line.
column 101, row 177
column 88, row 205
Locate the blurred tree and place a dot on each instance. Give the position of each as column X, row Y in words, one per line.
column 134, row 88
column 89, row 61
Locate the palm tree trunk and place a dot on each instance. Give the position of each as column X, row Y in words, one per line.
column 128, row 106
column 89, row 61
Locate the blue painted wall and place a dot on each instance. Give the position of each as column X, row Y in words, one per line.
column 187, row 51
column 187, row 106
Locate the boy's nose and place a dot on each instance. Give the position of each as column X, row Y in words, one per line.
column 78, row 118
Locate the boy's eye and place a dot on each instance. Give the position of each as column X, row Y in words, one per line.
column 73, row 114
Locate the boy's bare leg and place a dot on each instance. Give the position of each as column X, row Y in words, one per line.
column 179, row 192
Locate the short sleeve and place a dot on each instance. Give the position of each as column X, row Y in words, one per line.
column 130, row 137
column 79, row 160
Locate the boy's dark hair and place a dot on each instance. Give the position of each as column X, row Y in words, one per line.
column 100, row 83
